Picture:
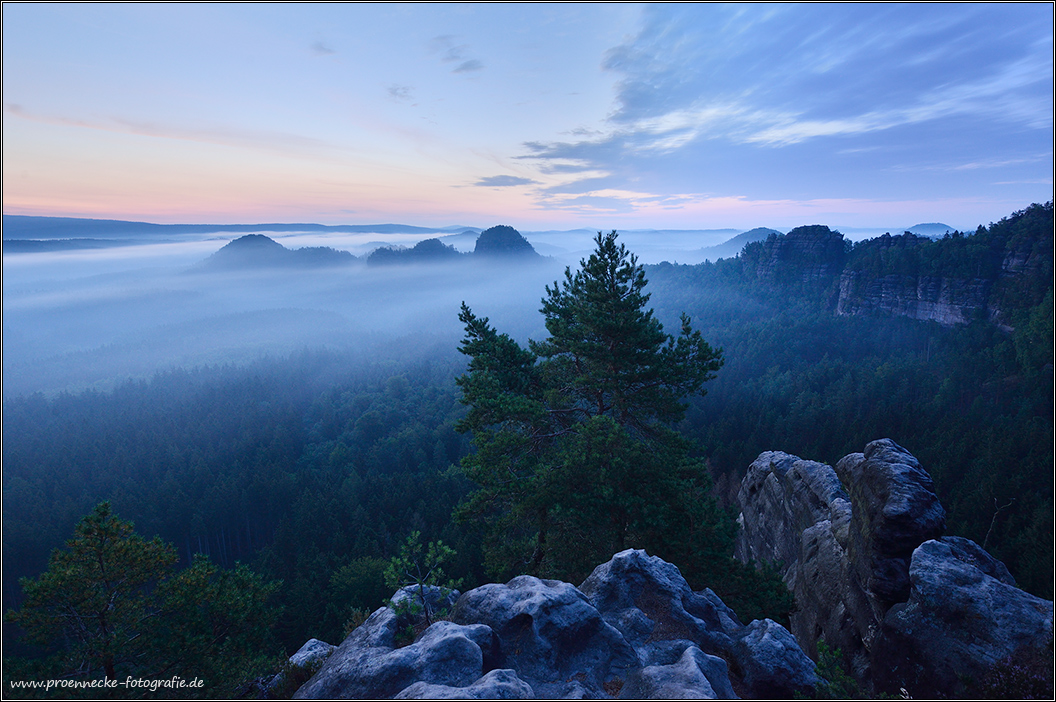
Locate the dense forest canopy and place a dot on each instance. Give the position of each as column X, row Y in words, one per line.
column 314, row 467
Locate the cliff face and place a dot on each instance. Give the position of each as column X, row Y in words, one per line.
column 948, row 301
column 806, row 255
column 861, row 547
column 989, row 274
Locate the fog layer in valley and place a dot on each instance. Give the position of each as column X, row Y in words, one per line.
column 88, row 318
column 88, row 303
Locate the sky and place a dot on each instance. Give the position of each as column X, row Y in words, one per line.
column 686, row 116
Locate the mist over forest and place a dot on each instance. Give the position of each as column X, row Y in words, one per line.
column 291, row 402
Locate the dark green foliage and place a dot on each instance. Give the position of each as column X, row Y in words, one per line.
column 111, row 605
column 574, row 458
column 753, row 592
column 426, row 251
column 417, row 567
column 503, row 241
column 837, row 683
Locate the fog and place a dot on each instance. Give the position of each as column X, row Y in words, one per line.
column 90, row 318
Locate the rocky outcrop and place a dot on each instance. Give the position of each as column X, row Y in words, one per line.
column 633, row 629
column 812, row 254
column 963, row 615
column 862, row 549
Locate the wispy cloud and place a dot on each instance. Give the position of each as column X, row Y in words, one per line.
column 503, row 181
column 449, row 49
column 469, row 66
column 281, row 142
column 769, row 77
column 400, row 92
column 321, row 49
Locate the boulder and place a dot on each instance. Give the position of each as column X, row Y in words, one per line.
column 652, row 605
column 312, row 651
column 964, row 614
column 862, row 550
column 502, row 684
column 550, row 634
column 367, row 665
column 694, row 676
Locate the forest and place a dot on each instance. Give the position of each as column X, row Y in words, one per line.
column 310, row 470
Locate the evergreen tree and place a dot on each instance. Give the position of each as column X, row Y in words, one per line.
column 110, row 603
column 575, row 455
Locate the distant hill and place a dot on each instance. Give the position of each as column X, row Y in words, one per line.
column 505, row 242
column 29, row 227
column 427, row 251
column 932, row 230
column 499, row 242
column 256, row 251
column 732, row 247
column 16, row 246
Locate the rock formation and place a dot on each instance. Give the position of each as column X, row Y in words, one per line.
column 874, row 576
column 633, row 629
column 812, row 254
column 948, row 301
column 503, row 241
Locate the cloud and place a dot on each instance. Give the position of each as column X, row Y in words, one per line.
column 277, row 142
column 503, row 181
column 720, row 98
column 451, row 51
column 400, row 92
column 469, row 66
column 321, row 49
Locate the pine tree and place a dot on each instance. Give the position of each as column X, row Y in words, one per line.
column 575, row 458
column 111, row 604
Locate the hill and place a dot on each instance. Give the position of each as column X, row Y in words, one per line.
column 427, row 251
column 505, row 242
column 732, row 247
column 256, row 251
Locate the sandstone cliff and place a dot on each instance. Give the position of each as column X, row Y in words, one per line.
column 862, row 549
column 988, row 274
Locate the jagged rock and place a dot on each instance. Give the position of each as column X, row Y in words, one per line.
column 895, row 510
column 502, row 684
column 963, row 615
column 634, row 630
column 694, row 676
column 948, row 301
column 368, row 664
column 872, row 577
column 652, row 605
column 550, row 634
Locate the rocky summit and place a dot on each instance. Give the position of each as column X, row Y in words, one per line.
column 633, row 629
column 862, row 548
